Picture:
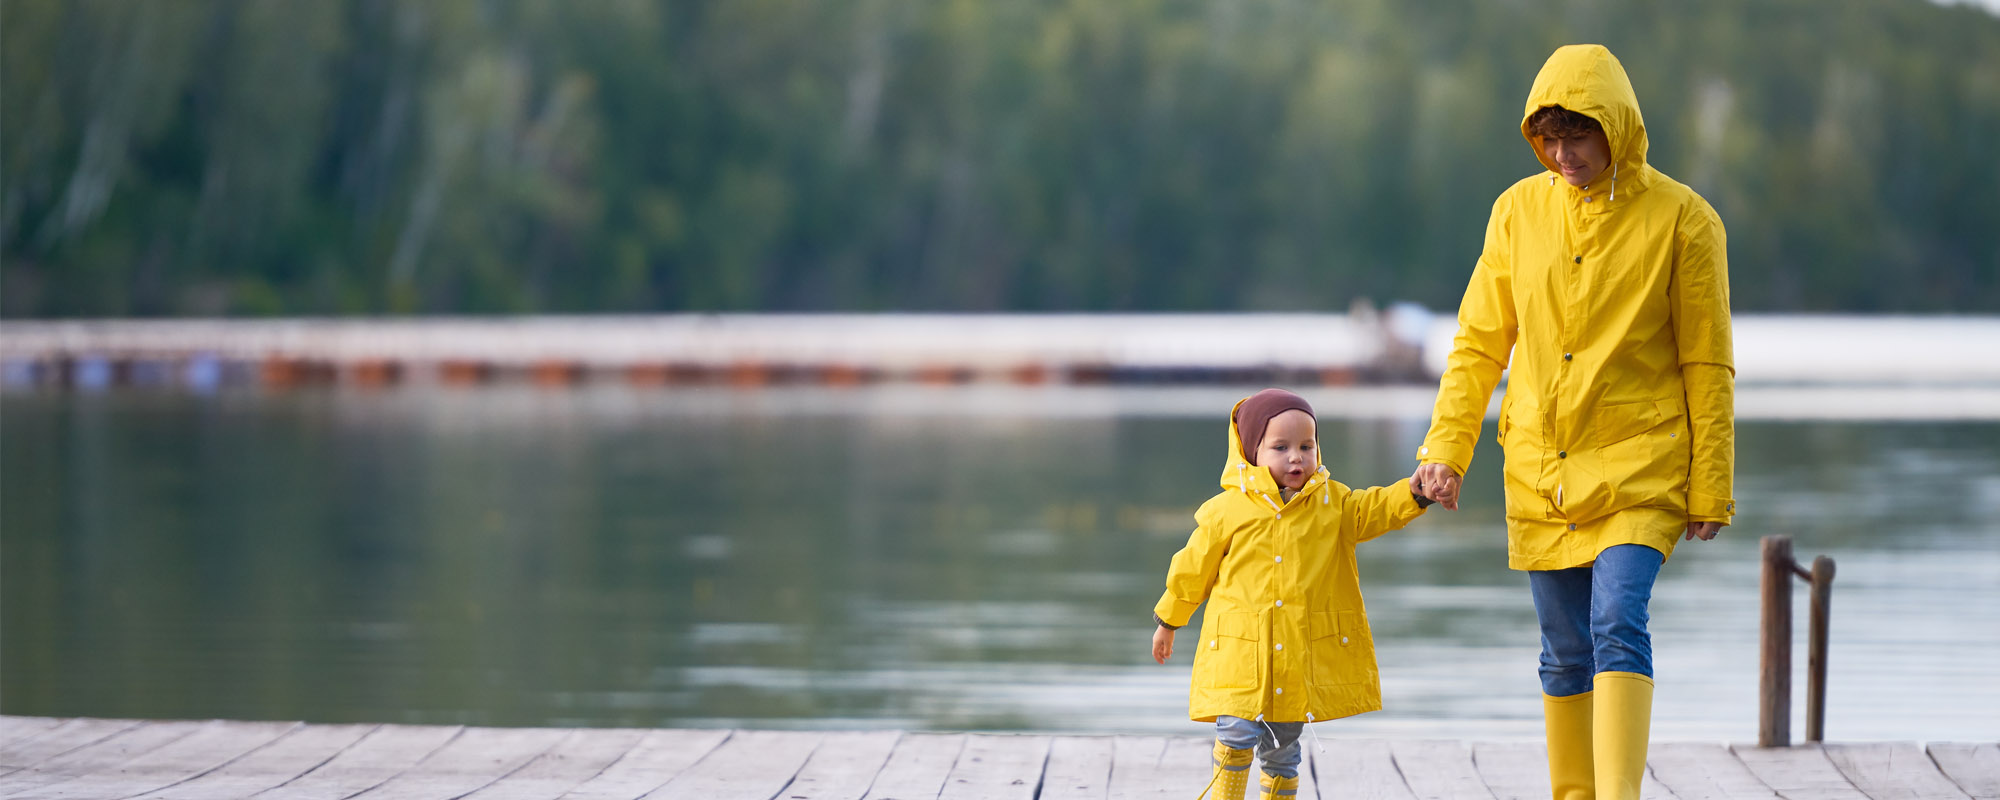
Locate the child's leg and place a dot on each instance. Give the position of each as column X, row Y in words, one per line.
column 1237, row 733
column 1235, row 738
column 1278, row 748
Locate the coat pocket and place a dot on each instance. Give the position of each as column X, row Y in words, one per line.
column 1229, row 652
column 1338, row 644
column 1648, row 466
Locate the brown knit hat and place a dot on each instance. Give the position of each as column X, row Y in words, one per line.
column 1256, row 412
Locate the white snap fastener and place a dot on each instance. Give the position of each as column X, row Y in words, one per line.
column 1281, row 604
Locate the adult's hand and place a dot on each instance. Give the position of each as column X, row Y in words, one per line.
column 1440, row 483
column 1704, row 530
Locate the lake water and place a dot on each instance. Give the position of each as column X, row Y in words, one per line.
column 893, row 557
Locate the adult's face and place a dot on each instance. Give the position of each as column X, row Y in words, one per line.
column 1580, row 157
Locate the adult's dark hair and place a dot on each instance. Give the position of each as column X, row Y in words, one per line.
column 1558, row 122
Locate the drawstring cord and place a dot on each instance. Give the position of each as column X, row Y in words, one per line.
column 1310, row 729
column 1211, row 784
column 1274, row 504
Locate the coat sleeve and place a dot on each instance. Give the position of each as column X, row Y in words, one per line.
column 1378, row 510
column 1192, row 573
column 1700, row 310
column 1486, row 329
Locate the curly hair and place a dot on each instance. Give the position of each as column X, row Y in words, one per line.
column 1560, row 123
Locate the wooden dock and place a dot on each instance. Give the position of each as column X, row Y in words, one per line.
column 81, row 759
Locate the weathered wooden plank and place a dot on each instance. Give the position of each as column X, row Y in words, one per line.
column 917, row 767
column 843, row 766
column 1186, row 764
column 1513, row 770
column 50, row 743
column 1801, row 772
column 1360, row 769
column 751, row 765
column 1694, row 771
column 14, row 729
column 1650, row 787
column 1974, row 768
column 105, row 754
column 1079, row 768
column 1135, row 767
column 997, row 767
column 1892, row 771
column 657, row 758
column 297, row 753
column 1439, row 770
column 381, row 755
column 578, row 757
column 210, row 747
column 470, row 761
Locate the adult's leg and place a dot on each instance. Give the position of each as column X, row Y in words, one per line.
column 1562, row 606
column 1621, row 589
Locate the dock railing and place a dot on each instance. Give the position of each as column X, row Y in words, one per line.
column 1774, row 719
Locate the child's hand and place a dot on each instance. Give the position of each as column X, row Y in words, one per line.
column 1439, row 482
column 1163, row 643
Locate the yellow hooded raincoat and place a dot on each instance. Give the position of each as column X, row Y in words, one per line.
column 1285, row 636
column 1611, row 304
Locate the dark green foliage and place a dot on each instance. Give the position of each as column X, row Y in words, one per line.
column 250, row 157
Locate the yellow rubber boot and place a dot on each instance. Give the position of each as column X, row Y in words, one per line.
column 1623, row 723
column 1276, row 788
column 1232, row 772
column 1566, row 721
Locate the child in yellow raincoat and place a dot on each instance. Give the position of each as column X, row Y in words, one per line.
column 1285, row 640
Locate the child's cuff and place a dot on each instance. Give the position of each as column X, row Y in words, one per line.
column 1172, row 611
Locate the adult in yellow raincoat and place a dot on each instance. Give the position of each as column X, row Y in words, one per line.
column 1603, row 284
column 1285, row 638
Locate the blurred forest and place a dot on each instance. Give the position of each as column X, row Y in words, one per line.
column 252, row 157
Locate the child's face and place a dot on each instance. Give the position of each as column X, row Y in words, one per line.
column 1290, row 448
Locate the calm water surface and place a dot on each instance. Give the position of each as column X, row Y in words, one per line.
column 901, row 557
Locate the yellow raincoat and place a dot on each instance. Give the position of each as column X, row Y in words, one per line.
column 1611, row 303
column 1285, row 635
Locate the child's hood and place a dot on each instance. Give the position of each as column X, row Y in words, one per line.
column 1238, row 474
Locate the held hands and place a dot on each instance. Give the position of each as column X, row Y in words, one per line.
column 1163, row 643
column 1437, row 482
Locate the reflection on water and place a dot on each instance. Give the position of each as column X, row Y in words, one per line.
column 914, row 558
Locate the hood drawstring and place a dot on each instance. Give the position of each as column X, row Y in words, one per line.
column 1242, row 482
column 1274, row 504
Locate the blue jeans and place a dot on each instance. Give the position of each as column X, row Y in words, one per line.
column 1594, row 618
column 1277, row 743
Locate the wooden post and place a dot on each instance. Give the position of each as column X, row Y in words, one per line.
column 1822, row 591
column 1774, row 711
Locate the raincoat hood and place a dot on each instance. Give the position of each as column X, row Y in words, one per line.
column 1587, row 79
column 1239, row 475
